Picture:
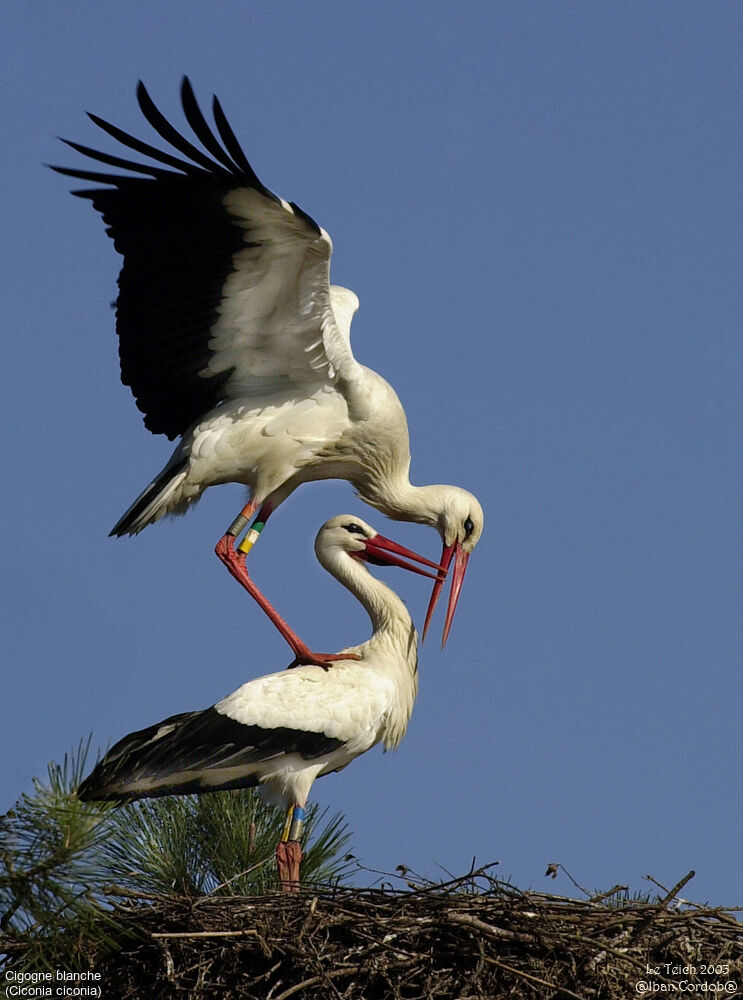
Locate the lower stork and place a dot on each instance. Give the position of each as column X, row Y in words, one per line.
column 283, row 730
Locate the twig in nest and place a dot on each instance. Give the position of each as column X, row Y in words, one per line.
column 204, row 934
column 532, row 979
column 677, row 888
column 552, row 870
column 317, row 980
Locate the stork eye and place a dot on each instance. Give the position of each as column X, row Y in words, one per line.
column 468, row 527
column 354, row 529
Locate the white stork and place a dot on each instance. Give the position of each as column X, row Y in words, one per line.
column 284, row 730
column 232, row 339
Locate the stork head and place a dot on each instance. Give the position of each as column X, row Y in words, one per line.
column 351, row 535
column 460, row 523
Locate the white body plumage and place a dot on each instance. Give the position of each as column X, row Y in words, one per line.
column 276, row 443
column 358, row 702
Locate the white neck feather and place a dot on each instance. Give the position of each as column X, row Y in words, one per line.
column 385, row 609
column 402, row 501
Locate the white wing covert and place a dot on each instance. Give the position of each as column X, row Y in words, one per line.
column 277, row 328
column 344, row 704
column 224, row 290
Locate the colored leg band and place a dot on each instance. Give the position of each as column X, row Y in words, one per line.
column 287, row 825
column 295, row 829
column 237, row 525
column 252, row 537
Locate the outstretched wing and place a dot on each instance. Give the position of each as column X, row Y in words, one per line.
column 224, row 290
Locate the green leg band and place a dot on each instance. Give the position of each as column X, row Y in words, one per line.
column 252, row 537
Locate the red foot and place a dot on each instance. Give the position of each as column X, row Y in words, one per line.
column 305, row 657
column 288, row 860
column 233, row 560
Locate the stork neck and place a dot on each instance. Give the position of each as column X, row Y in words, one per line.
column 385, row 609
column 402, row 501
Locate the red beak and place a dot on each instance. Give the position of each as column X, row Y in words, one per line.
column 384, row 552
column 460, row 568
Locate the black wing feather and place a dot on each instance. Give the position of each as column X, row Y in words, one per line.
column 145, row 148
column 235, row 150
column 201, row 128
column 177, row 253
column 198, row 742
column 169, row 133
column 91, row 175
column 114, row 161
column 178, row 242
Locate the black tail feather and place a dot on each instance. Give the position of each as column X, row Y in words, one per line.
column 124, row 526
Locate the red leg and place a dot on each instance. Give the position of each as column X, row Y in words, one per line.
column 288, row 861
column 289, row 851
column 234, row 560
column 225, row 548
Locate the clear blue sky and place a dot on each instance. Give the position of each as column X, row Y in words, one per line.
column 540, row 206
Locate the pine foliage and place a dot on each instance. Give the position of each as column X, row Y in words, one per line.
column 66, row 864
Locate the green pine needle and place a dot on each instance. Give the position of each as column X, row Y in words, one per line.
column 63, row 862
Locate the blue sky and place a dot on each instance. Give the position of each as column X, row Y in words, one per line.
column 540, row 207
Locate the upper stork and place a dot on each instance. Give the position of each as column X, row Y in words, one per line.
column 283, row 730
column 233, row 340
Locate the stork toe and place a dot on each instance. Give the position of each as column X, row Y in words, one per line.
column 306, row 657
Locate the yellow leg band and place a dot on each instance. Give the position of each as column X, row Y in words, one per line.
column 287, row 825
column 251, row 538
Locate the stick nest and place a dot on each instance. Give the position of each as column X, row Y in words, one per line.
column 474, row 937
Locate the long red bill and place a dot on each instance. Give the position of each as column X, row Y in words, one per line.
column 460, row 567
column 383, row 551
column 457, row 579
column 446, row 555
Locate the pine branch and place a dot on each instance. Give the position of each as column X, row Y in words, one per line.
column 59, row 857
